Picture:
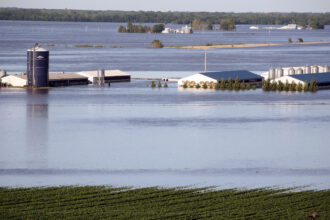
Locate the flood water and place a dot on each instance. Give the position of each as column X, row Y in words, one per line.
column 130, row 134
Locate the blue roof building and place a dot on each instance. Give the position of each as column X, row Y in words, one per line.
column 243, row 75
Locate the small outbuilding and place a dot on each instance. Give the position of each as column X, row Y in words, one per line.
column 213, row 77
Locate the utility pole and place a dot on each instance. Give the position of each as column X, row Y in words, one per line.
column 205, row 61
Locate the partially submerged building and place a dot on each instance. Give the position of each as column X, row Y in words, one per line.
column 55, row 79
column 70, row 79
column 322, row 79
column 213, row 77
column 109, row 76
column 297, row 70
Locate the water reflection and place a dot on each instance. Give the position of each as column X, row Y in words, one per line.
column 36, row 129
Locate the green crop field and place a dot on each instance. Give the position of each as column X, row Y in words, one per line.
column 101, row 202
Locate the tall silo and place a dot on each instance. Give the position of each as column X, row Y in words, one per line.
column 292, row 71
column 3, row 73
column 271, row 73
column 307, row 69
column 315, row 69
column 300, row 71
column 100, row 77
column 279, row 72
column 37, row 66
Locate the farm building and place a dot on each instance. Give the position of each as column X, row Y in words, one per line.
column 70, row 79
column 213, row 77
column 109, row 76
column 322, row 79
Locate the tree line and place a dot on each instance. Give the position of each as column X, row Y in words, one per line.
column 268, row 85
column 161, row 17
column 223, row 84
column 131, row 28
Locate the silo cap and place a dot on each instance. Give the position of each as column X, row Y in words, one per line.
column 37, row 49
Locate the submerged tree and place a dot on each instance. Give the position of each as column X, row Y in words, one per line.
column 227, row 25
column 223, row 84
column 236, row 84
column 242, row 85
column 305, row 88
column 299, row 87
column 156, row 44
column 280, row 86
column 217, row 85
column 229, row 84
column 286, row 86
column 313, row 85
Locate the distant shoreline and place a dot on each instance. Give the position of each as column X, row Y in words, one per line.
column 217, row 46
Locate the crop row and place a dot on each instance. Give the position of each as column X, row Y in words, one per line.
column 161, row 203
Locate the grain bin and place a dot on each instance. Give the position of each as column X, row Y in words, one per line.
column 315, row 69
column 279, row 72
column 307, row 69
column 37, row 66
column 292, row 71
column 100, row 77
column 3, row 73
column 271, row 73
column 300, row 71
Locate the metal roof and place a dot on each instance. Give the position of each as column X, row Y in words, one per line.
column 241, row 74
column 319, row 77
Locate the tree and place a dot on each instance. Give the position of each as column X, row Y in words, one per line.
column 209, row 26
column 247, row 87
column 153, row 84
column 300, row 40
column 129, row 27
column 217, row 85
column 305, row 88
column 156, row 44
column 286, row 86
column 299, row 87
column 229, row 83
column 185, row 85
column 236, row 84
column 254, row 87
column 313, row 85
column 197, row 24
column 165, row 85
column 157, row 28
column 223, row 84
column 273, row 86
column 204, row 85
column 266, row 85
column 198, row 86
column 313, row 24
column 280, row 86
column 121, row 29
column 290, row 40
column 227, row 25
column 159, row 84
column 242, row 85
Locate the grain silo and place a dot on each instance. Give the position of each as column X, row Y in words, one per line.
column 37, row 66
column 271, row 73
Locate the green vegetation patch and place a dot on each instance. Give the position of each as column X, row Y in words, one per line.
column 83, row 45
column 95, row 202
